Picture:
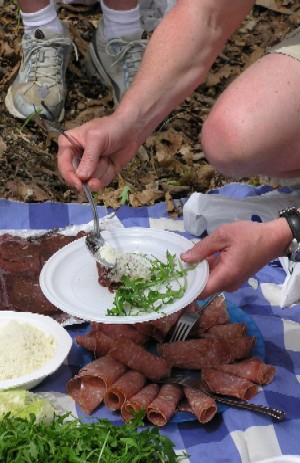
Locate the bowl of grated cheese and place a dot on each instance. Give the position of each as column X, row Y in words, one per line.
column 32, row 347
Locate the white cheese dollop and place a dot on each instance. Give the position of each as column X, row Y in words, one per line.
column 130, row 264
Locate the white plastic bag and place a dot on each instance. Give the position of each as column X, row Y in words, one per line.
column 205, row 212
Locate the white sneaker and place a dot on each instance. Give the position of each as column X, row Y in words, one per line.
column 115, row 61
column 41, row 77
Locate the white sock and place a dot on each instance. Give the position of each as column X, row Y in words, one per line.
column 119, row 23
column 47, row 17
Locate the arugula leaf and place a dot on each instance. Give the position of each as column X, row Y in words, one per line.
column 151, row 294
column 72, row 441
column 124, row 195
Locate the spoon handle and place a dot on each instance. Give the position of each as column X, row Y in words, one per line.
column 273, row 412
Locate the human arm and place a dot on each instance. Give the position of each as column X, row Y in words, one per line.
column 236, row 251
column 177, row 59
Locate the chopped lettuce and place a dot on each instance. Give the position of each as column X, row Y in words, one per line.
column 22, row 403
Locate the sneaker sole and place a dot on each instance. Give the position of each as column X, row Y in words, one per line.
column 94, row 68
column 9, row 103
column 11, row 107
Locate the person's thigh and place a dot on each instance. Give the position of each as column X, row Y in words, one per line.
column 254, row 127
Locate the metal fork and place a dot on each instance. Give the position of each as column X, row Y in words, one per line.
column 188, row 320
column 190, row 381
column 94, row 240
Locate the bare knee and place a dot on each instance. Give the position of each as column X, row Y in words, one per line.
column 224, row 143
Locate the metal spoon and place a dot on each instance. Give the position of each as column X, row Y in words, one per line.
column 94, row 240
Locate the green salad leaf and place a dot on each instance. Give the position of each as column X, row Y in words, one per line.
column 22, row 403
column 153, row 293
column 72, row 441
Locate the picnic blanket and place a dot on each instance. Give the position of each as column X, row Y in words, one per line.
column 233, row 436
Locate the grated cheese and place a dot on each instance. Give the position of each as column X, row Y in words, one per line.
column 23, row 349
column 130, row 264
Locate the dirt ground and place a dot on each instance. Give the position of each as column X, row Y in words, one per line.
column 171, row 164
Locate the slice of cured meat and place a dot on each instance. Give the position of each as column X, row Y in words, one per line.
column 164, row 405
column 215, row 314
column 139, row 401
column 104, row 278
column 195, row 354
column 240, row 347
column 253, row 369
column 115, row 331
column 51, row 243
column 227, row 384
column 230, row 330
column 88, row 387
column 184, row 406
column 88, row 392
column 19, row 255
column 139, row 359
column 123, row 389
column 23, row 294
column 158, row 329
column 21, row 261
column 203, row 406
column 97, row 342
column 105, row 368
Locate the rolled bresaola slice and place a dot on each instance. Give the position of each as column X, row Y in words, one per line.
column 240, row 347
column 203, row 406
column 88, row 387
column 159, row 329
column 215, row 314
column 116, row 331
column 253, row 369
column 139, row 359
column 97, row 342
column 230, row 330
column 195, row 354
column 105, row 368
column 163, row 407
column 87, row 391
column 184, row 406
column 141, row 400
column 123, row 389
column 227, row 384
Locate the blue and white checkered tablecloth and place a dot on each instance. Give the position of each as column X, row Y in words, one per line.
column 234, row 436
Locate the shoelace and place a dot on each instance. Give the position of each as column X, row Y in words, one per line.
column 49, row 66
column 130, row 53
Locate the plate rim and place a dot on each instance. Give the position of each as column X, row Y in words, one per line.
column 116, row 233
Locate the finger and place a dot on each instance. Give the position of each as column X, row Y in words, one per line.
column 107, row 171
column 112, row 170
column 65, row 167
column 95, row 183
column 93, row 162
column 203, row 249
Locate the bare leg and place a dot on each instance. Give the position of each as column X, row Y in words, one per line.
column 31, row 6
column 254, row 127
column 121, row 4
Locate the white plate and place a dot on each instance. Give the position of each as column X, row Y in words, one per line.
column 282, row 459
column 51, row 328
column 69, row 279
